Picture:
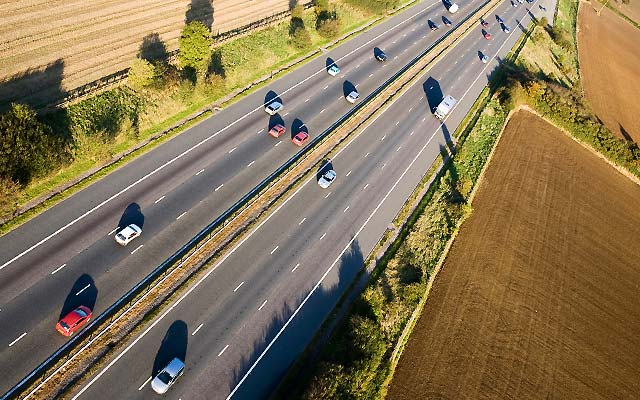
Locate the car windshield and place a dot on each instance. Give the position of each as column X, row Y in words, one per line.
column 64, row 325
column 81, row 313
column 164, row 377
column 328, row 176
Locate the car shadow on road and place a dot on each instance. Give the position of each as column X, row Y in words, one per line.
column 298, row 126
column 329, row 62
column 174, row 345
column 274, row 120
column 432, row 92
column 83, row 293
column 270, row 97
column 292, row 339
column 348, row 87
column 131, row 215
column 325, row 165
column 377, row 51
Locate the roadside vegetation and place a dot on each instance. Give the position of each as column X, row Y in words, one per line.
column 73, row 140
column 360, row 355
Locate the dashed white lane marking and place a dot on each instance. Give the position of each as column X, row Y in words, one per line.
column 260, row 131
column 394, row 42
column 383, row 138
column 349, row 173
column 365, row 156
column 424, row 119
column 18, row 338
column 323, row 235
column 370, row 75
column 307, row 100
column 232, row 150
column 251, row 163
column 404, row 35
column 410, row 109
column 416, row 42
column 144, row 384
column 411, row 134
column 383, row 165
column 199, row 172
column 113, row 231
column 222, row 351
column 58, row 269
column 277, row 144
column 455, row 62
column 365, row 186
column 238, row 287
column 302, row 221
column 296, row 267
column 262, row 305
column 219, row 187
column 325, row 88
column 285, row 114
column 159, row 200
column 137, row 248
column 328, row 194
column 358, row 66
column 274, row 249
column 424, row 36
column 345, row 210
column 181, row 215
column 83, row 289
column 398, row 149
column 197, row 329
column 339, row 97
column 397, row 123
column 321, row 111
column 395, row 57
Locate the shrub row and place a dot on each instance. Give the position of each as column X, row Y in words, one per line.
column 375, row 6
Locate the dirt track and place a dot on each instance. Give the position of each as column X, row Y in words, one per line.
column 540, row 294
column 62, row 44
column 609, row 64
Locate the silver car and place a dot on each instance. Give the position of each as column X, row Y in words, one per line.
column 327, row 179
column 352, row 97
column 273, row 108
column 129, row 233
column 169, row 374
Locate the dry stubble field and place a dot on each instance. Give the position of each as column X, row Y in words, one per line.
column 609, row 50
column 539, row 295
column 63, row 44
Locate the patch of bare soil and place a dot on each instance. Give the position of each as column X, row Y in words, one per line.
column 49, row 47
column 539, row 295
column 609, row 50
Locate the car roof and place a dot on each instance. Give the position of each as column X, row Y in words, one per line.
column 275, row 103
column 174, row 366
column 131, row 228
column 72, row 317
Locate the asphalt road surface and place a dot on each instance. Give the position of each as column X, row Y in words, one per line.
column 239, row 328
column 67, row 256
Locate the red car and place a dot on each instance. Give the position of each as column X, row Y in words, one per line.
column 73, row 321
column 277, row 130
column 484, row 23
column 300, row 138
column 486, row 34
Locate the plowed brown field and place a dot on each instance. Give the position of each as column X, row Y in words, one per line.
column 539, row 297
column 609, row 50
column 63, row 44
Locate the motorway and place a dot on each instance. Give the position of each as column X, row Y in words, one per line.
column 67, row 256
column 240, row 326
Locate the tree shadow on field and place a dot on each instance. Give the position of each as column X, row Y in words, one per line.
column 83, row 293
column 624, row 133
column 451, row 178
column 36, row 87
column 153, row 48
column 202, row 11
column 432, row 92
column 216, row 65
column 131, row 215
column 174, row 345
column 296, row 336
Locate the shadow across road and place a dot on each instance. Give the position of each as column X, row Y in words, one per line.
column 83, row 293
column 131, row 215
column 174, row 345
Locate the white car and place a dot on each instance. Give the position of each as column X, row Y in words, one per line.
column 129, row 233
column 514, row 4
column 327, row 179
column 333, row 70
column 352, row 97
column 163, row 381
column 273, row 108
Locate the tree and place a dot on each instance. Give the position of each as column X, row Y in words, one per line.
column 195, row 47
column 321, row 5
column 300, row 38
column 28, row 147
column 8, row 197
column 141, row 74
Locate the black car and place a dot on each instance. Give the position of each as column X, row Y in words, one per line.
column 446, row 21
column 380, row 56
column 432, row 25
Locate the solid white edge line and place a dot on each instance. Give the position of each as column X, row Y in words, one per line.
column 189, row 150
column 18, row 338
column 197, row 329
column 145, row 383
